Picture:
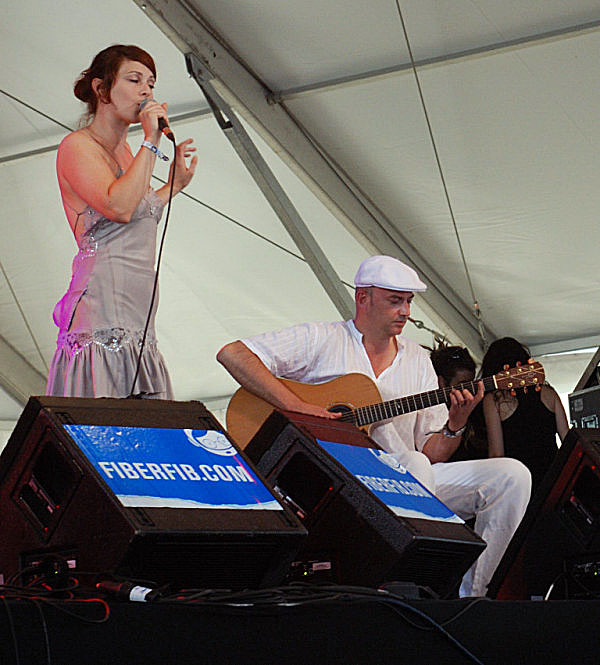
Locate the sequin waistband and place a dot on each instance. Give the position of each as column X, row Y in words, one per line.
column 112, row 339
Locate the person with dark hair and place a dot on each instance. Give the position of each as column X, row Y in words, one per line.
column 522, row 425
column 454, row 365
column 113, row 214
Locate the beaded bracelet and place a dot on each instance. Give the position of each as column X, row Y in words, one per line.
column 155, row 150
column 452, row 434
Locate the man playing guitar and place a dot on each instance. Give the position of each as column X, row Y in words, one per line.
column 494, row 491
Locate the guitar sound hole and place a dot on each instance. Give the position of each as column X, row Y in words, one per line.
column 340, row 408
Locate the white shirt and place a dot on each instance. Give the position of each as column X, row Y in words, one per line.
column 318, row 352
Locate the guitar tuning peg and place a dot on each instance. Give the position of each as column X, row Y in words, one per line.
column 524, row 390
column 518, row 363
column 506, row 367
column 513, row 392
column 530, row 361
column 538, row 388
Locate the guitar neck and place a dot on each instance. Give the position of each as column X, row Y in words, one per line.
column 373, row 413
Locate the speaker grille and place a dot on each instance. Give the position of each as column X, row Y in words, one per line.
column 232, row 564
column 430, row 566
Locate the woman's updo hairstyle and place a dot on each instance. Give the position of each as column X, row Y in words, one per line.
column 105, row 67
column 448, row 360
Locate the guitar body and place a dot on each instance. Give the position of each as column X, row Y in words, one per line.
column 247, row 412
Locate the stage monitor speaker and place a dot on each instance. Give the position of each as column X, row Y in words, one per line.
column 555, row 552
column 145, row 489
column 368, row 520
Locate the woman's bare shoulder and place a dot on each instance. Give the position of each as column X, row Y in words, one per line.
column 75, row 141
column 549, row 396
column 76, row 150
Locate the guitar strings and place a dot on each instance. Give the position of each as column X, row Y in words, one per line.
column 370, row 413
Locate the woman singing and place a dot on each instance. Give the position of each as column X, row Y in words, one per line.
column 113, row 214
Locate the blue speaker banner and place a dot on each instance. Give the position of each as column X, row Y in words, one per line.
column 390, row 482
column 172, row 468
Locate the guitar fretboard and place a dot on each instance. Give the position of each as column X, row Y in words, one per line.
column 373, row 413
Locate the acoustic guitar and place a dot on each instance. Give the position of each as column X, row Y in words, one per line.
column 359, row 401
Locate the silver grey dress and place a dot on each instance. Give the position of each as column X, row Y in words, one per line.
column 102, row 315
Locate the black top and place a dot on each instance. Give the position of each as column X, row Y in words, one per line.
column 474, row 443
column 530, row 435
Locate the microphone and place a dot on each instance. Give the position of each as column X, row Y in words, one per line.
column 162, row 123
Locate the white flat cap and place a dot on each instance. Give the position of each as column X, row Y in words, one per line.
column 386, row 272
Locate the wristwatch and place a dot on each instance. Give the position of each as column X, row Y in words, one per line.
column 450, row 434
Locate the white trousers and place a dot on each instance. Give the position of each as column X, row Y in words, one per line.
column 494, row 491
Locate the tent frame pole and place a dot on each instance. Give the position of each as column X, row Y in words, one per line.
column 272, row 190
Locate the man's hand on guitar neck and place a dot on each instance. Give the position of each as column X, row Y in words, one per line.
column 462, row 403
column 440, row 447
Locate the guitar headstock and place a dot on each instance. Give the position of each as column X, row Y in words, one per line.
column 521, row 376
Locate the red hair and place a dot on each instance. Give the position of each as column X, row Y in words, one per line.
column 105, row 67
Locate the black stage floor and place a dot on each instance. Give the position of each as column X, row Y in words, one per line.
column 350, row 632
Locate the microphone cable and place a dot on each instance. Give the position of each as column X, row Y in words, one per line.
column 155, row 285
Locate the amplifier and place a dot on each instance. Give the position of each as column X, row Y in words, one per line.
column 584, row 408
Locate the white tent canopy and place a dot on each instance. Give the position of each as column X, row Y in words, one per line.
column 327, row 92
